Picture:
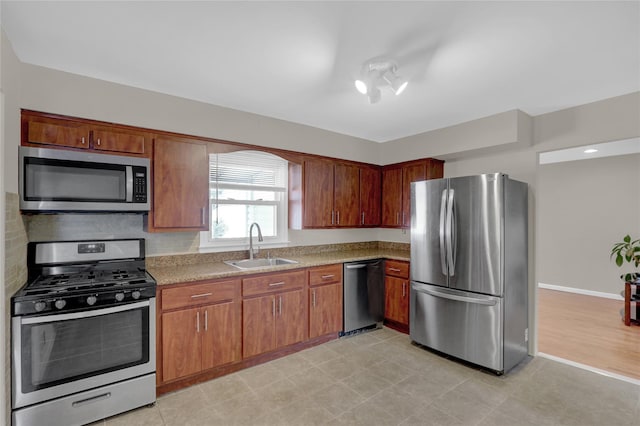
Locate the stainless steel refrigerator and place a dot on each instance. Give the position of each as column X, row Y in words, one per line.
column 469, row 292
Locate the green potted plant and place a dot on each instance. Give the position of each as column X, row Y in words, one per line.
column 628, row 251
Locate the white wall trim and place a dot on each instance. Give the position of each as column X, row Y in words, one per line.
column 589, row 368
column 581, row 291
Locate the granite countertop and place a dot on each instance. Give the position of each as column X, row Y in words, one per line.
column 172, row 274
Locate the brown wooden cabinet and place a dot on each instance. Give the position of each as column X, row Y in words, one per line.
column 396, row 295
column 325, row 300
column 40, row 129
column 370, row 195
column 274, row 313
column 396, row 189
column 180, row 186
column 331, row 194
column 199, row 328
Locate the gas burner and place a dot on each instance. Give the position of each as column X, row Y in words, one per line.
column 73, row 285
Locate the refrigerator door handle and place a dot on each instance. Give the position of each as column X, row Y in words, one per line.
column 421, row 289
column 451, row 234
column 443, row 209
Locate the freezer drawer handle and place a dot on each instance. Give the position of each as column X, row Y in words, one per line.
column 455, row 296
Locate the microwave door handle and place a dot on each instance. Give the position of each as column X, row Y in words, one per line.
column 129, row 176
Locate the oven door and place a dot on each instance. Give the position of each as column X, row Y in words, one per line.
column 57, row 355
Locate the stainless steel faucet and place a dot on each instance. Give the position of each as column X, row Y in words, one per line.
column 251, row 238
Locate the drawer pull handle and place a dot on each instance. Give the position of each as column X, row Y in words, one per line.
column 394, row 269
column 327, row 277
column 195, row 296
column 91, row 400
column 276, row 284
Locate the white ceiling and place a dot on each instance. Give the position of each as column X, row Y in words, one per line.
column 297, row 61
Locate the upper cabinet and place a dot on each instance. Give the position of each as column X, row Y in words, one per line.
column 54, row 131
column 325, row 193
column 396, row 189
column 180, row 170
column 370, row 195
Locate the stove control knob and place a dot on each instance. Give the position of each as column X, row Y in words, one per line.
column 60, row 303
column 135, row 294
column 119, row 297
column 91, row 300
column 40, row 306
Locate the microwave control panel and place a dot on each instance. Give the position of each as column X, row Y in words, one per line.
column 139, row 185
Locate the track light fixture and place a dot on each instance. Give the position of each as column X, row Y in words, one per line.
column 377, row 73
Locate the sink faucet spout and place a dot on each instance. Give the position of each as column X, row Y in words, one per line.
column 251, row 253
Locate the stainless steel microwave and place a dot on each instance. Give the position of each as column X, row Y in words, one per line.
column 53, row 180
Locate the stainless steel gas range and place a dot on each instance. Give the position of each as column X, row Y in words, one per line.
column 83, row 333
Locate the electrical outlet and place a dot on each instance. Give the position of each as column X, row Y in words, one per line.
column 526, row 334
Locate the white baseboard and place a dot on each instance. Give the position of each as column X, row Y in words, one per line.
column 589, row 368
column 581, row 291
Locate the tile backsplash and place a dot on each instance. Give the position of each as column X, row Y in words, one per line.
column 15, row 276
column 52, row 227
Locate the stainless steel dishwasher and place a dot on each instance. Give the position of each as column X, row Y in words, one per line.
column 363, row 295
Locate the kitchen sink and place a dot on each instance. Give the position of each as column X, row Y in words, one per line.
column 259, row 263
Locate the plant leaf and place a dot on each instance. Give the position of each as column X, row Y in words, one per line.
column 627, row 239
column 619, row 260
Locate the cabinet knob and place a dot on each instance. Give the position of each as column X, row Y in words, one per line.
column 82, row 140
column 98, row 142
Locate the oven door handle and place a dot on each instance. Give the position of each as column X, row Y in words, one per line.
column 84, row 314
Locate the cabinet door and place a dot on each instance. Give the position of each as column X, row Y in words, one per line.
column 181, row 344
column 396, row 300
column 410, row 174
column 346, row 195
column 221, row 334
column 325, row 310
column 370, row 189
column 291, row 318
column 318, row 193
column 258, row 325
column 118, row 141
column 391, row 197
column 57, row 132
column 180, row 185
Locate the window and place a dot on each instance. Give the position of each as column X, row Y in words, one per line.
column 246, row 187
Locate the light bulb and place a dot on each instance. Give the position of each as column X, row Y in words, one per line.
column 361, row 86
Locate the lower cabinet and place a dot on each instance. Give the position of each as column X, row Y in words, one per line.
column 200, row 328
column 396, row 295
column 274, row 313
column 325, row 300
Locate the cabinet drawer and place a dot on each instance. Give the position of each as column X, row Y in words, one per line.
column 396, row 268
column 273, row 283
column 199, row 294
column 325, row 275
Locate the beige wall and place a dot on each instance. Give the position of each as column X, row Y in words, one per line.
column 48, row 90
column 584, row 207
column 12, row 231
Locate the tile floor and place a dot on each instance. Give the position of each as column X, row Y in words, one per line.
column 380, row 378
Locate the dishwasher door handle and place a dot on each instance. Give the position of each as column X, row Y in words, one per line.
column 357, row 266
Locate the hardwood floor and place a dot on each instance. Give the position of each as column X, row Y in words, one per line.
column 588, row 330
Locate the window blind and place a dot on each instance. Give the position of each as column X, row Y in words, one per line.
column 248, row 169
